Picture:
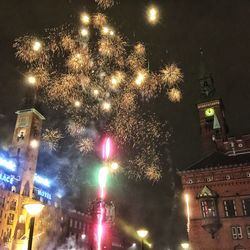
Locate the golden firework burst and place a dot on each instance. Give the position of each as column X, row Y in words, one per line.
column 174, row 95
column 171, row 74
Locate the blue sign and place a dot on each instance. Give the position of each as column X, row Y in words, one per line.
column 44, row 194
column 7, row 164
column 6, row 178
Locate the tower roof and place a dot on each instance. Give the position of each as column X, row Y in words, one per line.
column 31, row 110
column 205, row 78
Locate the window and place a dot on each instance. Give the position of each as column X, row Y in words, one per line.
column 2, row 201
column 236, row 232
column 10, row 219
column 230, row 208
column 13, row 205
column 208, row 208
column 246, row 207
column 248, row 231
column 80, row 225
column 70, row 223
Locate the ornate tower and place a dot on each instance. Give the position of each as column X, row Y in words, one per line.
column 211, row 112
column 25, row 146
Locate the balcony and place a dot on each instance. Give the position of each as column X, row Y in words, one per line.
column 211, row 225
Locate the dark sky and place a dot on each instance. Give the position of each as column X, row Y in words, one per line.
column 220, row 27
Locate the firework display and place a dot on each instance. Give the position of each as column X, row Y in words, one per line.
column 93, row 76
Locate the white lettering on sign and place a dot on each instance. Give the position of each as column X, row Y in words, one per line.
column 44, row 194
column 6, row 178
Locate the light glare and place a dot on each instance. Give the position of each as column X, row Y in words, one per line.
column 34, row 143
column 85, row 18
column 152, row 15
column 31, row 80
column 84, row 32
column 142, row 233
column 36, row 45
column 34, row 209
column 77, row 104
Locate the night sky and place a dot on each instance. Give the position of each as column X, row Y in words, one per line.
column 221, row 28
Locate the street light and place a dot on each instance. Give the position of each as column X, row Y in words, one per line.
column 33, row 210
column 142, row 233
column 185, row 245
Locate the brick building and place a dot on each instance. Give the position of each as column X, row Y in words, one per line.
column 217, row 188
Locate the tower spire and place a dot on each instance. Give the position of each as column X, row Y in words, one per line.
column 205, row 78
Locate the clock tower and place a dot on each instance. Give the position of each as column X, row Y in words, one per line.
column 211, row 111
column 25, row 147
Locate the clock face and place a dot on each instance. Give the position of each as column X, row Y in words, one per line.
column 209, row 112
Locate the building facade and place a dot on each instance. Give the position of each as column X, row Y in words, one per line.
column 20, row 184
column 217, row 188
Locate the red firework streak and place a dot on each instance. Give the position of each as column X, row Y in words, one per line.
column 101, row 208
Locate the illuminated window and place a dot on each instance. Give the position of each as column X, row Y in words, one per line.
column 208, row 208
column 246, row 207
column 236, row 232
column 230, row 208
column 248, row 231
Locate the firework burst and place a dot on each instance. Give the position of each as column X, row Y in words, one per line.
column 105, row 4
column 171, row 74
column 51, row 138
column 174, row 95
column 86, row 145
column 101, row 81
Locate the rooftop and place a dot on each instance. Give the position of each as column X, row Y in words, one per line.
column 218, row 159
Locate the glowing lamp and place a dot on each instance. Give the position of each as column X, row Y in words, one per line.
column 102, row 177
column 83, row 236
column 34, row 143
column 34, row 209
column 134, row 245
column 185, row 245
column 142, row 233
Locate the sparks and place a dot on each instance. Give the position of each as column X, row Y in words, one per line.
column 106, row 106
column 77, row 104
column 31, row 80
column 153, row 15
column 85, row 18
column 84, row 32
column 106, row 148
column 187, row 211
column 36, row 45
column 100, row 78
